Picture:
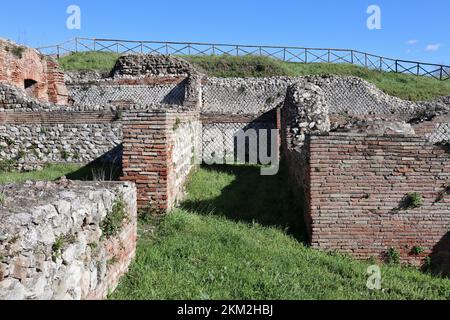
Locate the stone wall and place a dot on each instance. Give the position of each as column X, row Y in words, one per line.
column 38, row 76
column 57, row 239
column 105, row 93
column 185, row 142
column 150, row 140
column 220, row 134
column 28, row 147
column 359, row 201
column 34, row 134
column 142, row 65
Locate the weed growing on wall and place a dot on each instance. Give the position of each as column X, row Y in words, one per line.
column 177, row 124
column 114, row 220
column 418, row 250
column 60, row 243
column 413, row 200
column 393, row 256
column 7, row 165
column 16, row 51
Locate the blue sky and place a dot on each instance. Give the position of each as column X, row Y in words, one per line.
column 325, row 23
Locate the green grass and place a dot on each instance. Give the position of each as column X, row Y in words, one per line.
column 407, row 87
column 82, row 61
column 50, row 173
column 53, row 172
column 208, row 249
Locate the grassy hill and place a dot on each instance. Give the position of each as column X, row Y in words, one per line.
column 222, row 244
column 407, row 87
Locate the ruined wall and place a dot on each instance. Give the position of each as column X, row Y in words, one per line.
column 435, row 129
column 170, row 93
column 38, row 76
column 144, row 65
column 150, row 139
column 185, row 142
column 345, row 95
column 358, row 196
column 55, row 241
column 220, row 134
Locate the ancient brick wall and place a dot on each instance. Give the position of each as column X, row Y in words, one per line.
column 40, row 77
column 56, row 240
column 358, row 196
column 150, row 139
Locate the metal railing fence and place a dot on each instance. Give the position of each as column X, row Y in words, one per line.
column 287, row 54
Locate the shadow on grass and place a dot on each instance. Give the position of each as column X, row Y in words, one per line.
column 439, row 263
column 266, row 200
column 97, row 171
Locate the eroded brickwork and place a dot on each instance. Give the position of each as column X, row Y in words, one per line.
column 40, row 77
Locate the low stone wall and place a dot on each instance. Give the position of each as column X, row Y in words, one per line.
column 26, row 147
column 359, row 196
column 150, row 140
column 65, row 240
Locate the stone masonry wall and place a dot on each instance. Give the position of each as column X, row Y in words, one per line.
column 54, row 242
column 100, row 94
column 344, row 94
column 358, row 196
column 185, row 142
column 150, row 139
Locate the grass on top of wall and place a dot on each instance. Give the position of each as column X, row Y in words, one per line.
column 408, row 87
column 83, row 61
column 229, row 240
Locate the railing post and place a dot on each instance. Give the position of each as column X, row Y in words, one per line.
column 237, row 51
column 418, row 69
column 214, row 50
column 442, row 73
column 142, row 47
column 76, row 44
column 95, row 45
column 329, row 55
column 284, row 54
column 351, row 57
column 381, row 64
column 365, row 60
column 260, row 51
column 306, row 56
column 167, row 49
column 57, row 51
column 396, row 66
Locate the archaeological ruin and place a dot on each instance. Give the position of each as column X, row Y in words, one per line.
column 356, row 154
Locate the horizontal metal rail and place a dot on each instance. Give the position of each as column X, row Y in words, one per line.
column 287, row 54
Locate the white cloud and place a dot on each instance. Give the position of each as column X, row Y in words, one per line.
column 433, row 47
column 412, row 42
